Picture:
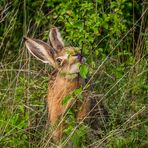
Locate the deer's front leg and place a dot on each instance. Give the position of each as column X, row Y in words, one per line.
column 55, row 113
column 83, row 110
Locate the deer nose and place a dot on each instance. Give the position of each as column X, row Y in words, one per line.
column 80, row 58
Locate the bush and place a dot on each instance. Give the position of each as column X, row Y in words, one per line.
column 112, row 37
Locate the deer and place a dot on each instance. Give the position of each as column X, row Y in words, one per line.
column 66, row 61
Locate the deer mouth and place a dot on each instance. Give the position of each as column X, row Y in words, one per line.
column 80, row 58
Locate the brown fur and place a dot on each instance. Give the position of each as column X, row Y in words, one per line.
column 61, row 88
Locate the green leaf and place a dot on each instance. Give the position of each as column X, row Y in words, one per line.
column 66, row 100
column 83, row 71
column 78, row 91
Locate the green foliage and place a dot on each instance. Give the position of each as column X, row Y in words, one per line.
column 112, row 37
column 78, row 137
column 83, row 71
column 76, row 93
column 66, row 100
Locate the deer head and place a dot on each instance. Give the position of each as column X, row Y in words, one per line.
column 66, row 59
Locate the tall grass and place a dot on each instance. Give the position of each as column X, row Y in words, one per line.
column 116, row 55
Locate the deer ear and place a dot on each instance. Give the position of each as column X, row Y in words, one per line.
column 56, row 39
column 41, row 50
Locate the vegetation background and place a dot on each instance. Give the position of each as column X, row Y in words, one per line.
column 113, row 37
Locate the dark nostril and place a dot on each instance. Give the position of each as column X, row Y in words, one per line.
column 79, row 57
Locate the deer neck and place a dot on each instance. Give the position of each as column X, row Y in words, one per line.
column 62, row 83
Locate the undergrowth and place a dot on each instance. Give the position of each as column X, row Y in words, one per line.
column 112, row 36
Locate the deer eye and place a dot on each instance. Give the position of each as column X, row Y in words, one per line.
column 59, row 61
